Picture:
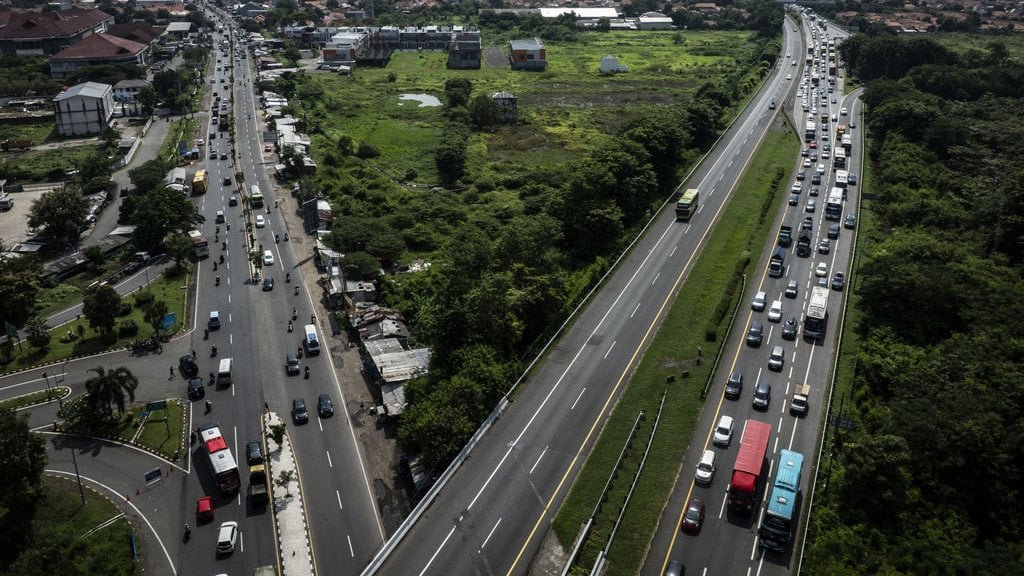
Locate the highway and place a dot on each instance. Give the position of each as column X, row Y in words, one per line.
column 495, row 511
column 728, row 541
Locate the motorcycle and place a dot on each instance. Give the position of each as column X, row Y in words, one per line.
column 277, row 238
column 296, row 290
column 188, row 532
column 213, row 351
column 287, row 277
column 214, row 266
column 221, row 258
column 217, row 282
column 206, row 333
column 290, row 327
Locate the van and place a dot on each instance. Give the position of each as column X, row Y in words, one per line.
column 214, row 322
column 312, row 341
column 705, row 468
column 224, row 371
column 6, row 202
column 776, row 359
column 759, row 302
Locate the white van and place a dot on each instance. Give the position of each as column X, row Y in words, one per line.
column 312, row 340
column 224, row 371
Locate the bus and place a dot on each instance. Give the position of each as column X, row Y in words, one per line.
column 200, row 247
column 687, row 205
column 839, row 159
column 255, row 197
column 842, row 178
column 200, row 182
column 810, row 131
column 776, row 529
column 817, row 313
column 222, row 463
column 834, row 204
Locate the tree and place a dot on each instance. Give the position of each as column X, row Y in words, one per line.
column 450, row 156
column 60, row 214
column 160, row 212
column 147, row 98
column 22, row 460
column 361, row 266
column 94, row 171
column 37, row 333
column 149, row 175
column 94, row 254
column 457, row 91
column 483, row 111
column 19, row 286
column 284, row 480
column 100, row 305
column 180, row 245
column 155, row 312
column 115, row 387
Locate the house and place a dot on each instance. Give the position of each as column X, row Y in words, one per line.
column 179, row 30
column 97, row 49
column 507, row 103
column 316, row 215
column 250, row 9
column 392, row 366
column 654, row 21
column 464, row 51
column 84, row 109
column 610, row 65
column 46, row 33
column 360, row 291
column 527, row 54
column 126, row 94
column 135, row 31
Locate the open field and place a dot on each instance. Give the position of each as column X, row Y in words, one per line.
column 675, row 347
column 961, row 42
column 43, row 165
column 38, row 132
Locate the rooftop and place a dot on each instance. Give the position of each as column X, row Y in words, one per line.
column 87, row 89
column 55, row 24
column 99, row 46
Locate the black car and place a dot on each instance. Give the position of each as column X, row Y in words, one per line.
column 838, row 281
column 801, row 174
column 187, row 366
column 789, row 329
column 734, row 386
column 268, row 284
column 299, row 412
column 227, row 181
column 254, row 453
column 195, row 389
column 833, row 230
column 814, row 191
column 755, row 334
column 807, row 223
column 850, row 222
column 325, row 406
column 291, row 364
column 816, row 179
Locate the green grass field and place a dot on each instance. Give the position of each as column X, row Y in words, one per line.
column 742, row 230
column 38, row 132
column 30, row 399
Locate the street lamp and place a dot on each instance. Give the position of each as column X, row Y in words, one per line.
column 47, row 379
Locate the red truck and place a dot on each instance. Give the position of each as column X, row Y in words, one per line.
column 748, row 471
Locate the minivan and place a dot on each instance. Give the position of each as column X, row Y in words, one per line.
column 224, row 371
column 776, row 359
column 226, row 537
column 762, row 395
column 311, row 342
column 759, row 302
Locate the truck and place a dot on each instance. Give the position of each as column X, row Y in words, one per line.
column 258, row 484
column 748, row 472
column 223, row 126
column 200, row 182
column 777, row 263
column 840, row 129
column 798, row 405
column 785, row 236
column 847, row 143
column 7, row 145
column 810, row 131
column 803, row 244
column 686, row 207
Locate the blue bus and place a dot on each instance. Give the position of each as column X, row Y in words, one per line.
column 777, row 527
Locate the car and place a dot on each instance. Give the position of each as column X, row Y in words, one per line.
column 807, row 162
column 850, row 222
column 232, row 200
column 792, row 288
column 195, row 389
column 807, row 223
column 268, row 258
column 825, row 246
column 268, row 284
column 734, row 386
column 826, row 147
column 705, row 468
column 816, row 178
column 813, row 144
column 838, row 281
column 813, row 157
column 260, row 222
column 200, row 143
column 789, row 329
column 796, row 188
column 759, row 302
column 291, row 364
column 805, row 152
column 227, row 181
column 811, row 205
column 794, row 199
column 723, row 431
column 771, row 105
column 825, row 155
column 821, row 270
column 214, row 322
column 851, row 178
column 755, row 334
column 822, row 282
column 853, row 124
column 833, row 230
column 219, row 218
column 789, row 76
column 776, row 359
column 227, row 535
column 187, row 366
column 843, row 111
column 223, row 155
column 762, row 396
column 325, row 406
column 254, row 453
column 801, row 174
column 299, row 412
column 775, row 311
column 814, row 191
column 693, row 519
column 213, row 155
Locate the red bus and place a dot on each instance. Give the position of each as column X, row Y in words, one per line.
column 747, row 472
column 222, row 463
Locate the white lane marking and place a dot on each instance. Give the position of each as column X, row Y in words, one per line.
column 338, row 494
column 573, row 407
column 329, row 462
column 436, row 552
column 351, row 551
column 673, row 252
column 543, row 452
column 241, row 541
column 610, row 348
column 489, row 534
column 634, row 310
column 656, row 276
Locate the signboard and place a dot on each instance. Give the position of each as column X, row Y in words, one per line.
column 168, row 321
column 157, row 405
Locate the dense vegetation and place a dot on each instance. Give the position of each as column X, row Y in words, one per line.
column 930, row 481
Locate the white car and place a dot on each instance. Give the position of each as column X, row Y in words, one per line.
column 227, row 535
column 789, row 76
column 843, row 111
column 268, row 258
column 723, row 432
column 775, row 311
column 758, row 304
column 822, row 270
column 706, row 468
column 260, row 222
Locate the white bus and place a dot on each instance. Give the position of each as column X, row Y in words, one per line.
column 842, row 178
column 834, row 204
column 817, row 313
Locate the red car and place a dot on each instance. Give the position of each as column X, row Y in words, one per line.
column 693, row 519
column 813, row 144
column 204, row 509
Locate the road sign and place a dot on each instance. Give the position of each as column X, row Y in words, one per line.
column 167, row 322
column 157, row 405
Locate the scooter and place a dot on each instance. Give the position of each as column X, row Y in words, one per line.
column 287, row 277
column 296, row 290
column 217, row 282
column 214, row 266
column 188, row 532
column 290, row 327
column 307, row 373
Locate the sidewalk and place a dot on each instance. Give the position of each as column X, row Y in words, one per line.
column 289, row 510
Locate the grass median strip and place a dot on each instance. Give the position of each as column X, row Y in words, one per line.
column 675, row 350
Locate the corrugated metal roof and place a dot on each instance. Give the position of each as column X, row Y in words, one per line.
column 87, row 89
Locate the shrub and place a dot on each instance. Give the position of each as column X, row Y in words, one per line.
column 127, row 328
column 144, row 299
column 366, row 151
column 124, row 309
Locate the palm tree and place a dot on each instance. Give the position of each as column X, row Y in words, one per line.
column 112, row 387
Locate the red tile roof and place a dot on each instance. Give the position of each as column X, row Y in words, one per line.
column 100, row 46
column 59, row 24
column 135, row 31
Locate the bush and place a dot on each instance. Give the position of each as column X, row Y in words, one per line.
column 725, row 304
column 366, row 151
column 124, row 309
column 127, row 328
column 144, row 299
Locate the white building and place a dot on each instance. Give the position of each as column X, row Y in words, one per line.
column 84, row 109
column 610, row 65
column 344, row 47
column 654, row 21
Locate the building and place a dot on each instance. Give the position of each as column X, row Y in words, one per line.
column 136, row 32
column 95, row 50
column 654, row 21
column 179, row 30
column 344, row 47
column 126, row 95
column 392, row 366
column 84, row 109
column 610, row 65
column 465, row 50
column 46, row 33
column 508, row 108
column 527, row 54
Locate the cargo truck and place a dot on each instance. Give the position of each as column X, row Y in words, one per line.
column 748, row 472
column 777, row 263
column 785, row 236
column 798, row 406
column 258, row 484
column 803, row 244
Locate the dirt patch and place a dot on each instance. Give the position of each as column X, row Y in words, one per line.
column 494, row 57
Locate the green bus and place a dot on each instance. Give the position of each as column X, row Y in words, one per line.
column 255, row 197
column 687, row 205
